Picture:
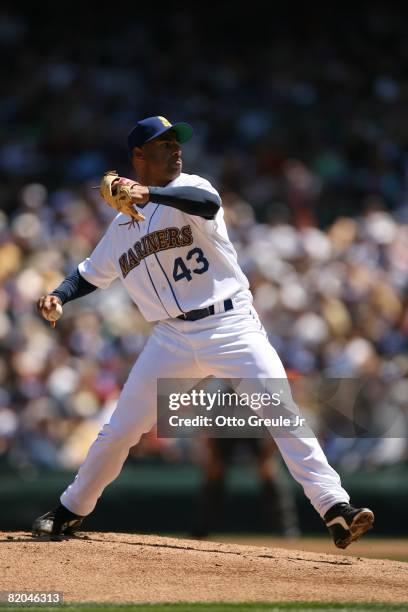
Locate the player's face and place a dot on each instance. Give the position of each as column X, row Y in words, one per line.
column 162, row 157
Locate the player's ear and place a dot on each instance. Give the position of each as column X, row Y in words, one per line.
column 137, row 154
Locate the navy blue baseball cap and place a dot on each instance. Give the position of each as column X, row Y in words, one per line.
column 151, row 127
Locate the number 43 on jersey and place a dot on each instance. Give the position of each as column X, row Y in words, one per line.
column 180, row 269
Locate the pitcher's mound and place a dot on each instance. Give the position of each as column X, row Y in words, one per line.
column 121, row 567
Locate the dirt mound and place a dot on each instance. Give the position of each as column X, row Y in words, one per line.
column 121, row 567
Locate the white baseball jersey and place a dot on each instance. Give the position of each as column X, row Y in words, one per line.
column 170, row 263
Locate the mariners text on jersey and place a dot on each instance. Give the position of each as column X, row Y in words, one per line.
column 159, row 240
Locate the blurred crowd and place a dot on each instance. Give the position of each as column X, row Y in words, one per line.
column 309, row 152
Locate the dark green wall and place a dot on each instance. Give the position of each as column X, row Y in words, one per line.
column 164, row 498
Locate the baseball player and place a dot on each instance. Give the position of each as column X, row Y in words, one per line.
column 169, row 247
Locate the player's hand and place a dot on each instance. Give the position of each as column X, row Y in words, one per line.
column 140, row 193
column 47, row 307
column 123, row 194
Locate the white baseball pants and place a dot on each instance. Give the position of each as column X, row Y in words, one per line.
column 226, row 345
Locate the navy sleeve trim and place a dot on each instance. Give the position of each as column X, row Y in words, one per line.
column 72, row 287
column 191, row 200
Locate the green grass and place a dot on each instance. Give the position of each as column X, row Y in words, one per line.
column 219, row 607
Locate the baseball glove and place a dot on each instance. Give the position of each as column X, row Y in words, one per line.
column 117, row 192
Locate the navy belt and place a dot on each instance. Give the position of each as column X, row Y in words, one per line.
column 195, row 315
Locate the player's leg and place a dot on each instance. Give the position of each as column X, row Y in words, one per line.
column 164, row 356
column 240, row 349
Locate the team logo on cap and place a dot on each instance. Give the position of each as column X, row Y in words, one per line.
column 164, row 121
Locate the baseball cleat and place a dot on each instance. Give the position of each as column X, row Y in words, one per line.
column 346, row 524
column 59, row 521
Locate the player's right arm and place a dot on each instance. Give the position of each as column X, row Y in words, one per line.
column 96, row 271
column 72, row 287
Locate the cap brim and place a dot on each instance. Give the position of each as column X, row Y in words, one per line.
column 184, row 132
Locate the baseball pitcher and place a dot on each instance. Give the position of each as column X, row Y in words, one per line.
column 169, row 247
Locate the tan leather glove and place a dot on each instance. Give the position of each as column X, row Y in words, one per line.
column 117, row 192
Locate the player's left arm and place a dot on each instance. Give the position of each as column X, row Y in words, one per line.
column 192, row 200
